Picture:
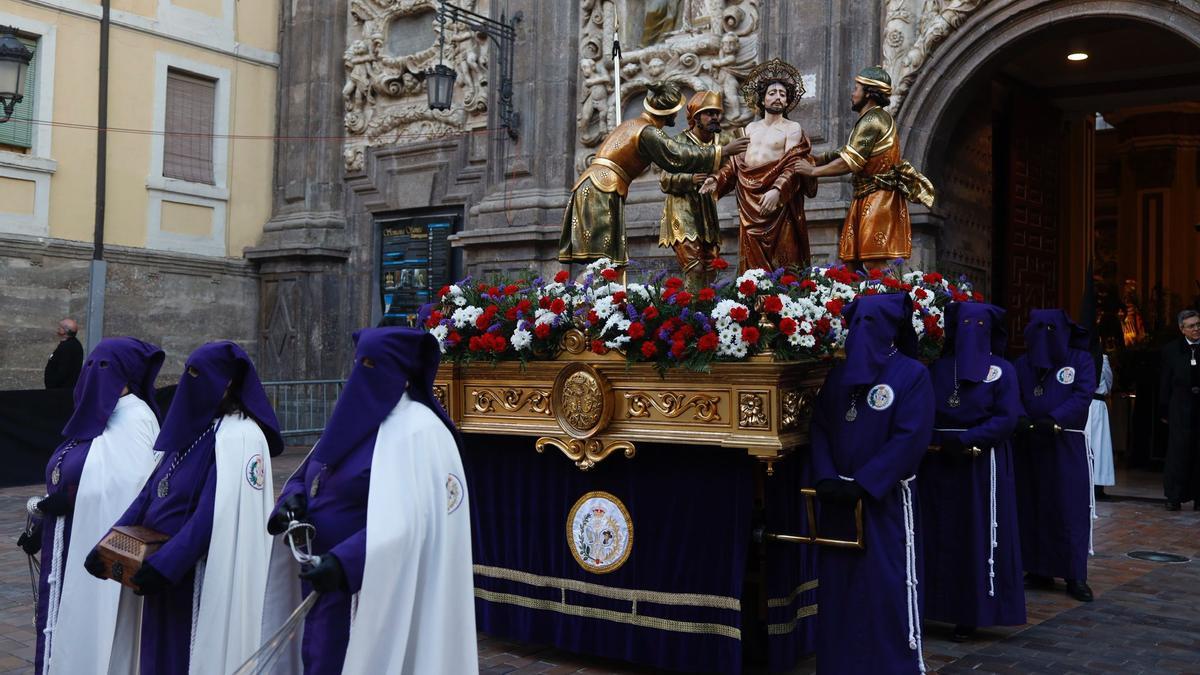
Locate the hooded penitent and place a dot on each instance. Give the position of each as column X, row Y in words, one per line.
column 877, row 324
column 98, row 470
column 211, row 494
column 968, row 502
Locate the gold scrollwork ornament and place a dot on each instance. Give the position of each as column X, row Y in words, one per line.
column 586, row 453
column 672, row 405
column 752, row 412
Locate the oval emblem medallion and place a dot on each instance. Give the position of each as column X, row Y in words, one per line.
column 994, row 373
column 599, row 532
column 454, row 493
column 881, row 397
column 255, row 475
column 1066, row 375
column 582, row 400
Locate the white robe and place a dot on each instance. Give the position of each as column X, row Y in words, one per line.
column 1098, row 430
column 118, row 463
column 231, row 581
column 416, row 610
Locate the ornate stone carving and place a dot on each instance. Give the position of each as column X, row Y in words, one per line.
column 912, row 30
column 752, row 412
column 384, row 95
column 586, row 453
column 672, row 405
column 512, row 400
column 712, row 45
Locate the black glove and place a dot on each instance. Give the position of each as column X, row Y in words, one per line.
column 327, row 575
column 31, row 542
column 829, row 489
column 1045, row 425
column 853, row 491
column 297, row 504
column 94, row 565
column 57, row 504
column 1024, row 425
column 149, row 581
column 952, row 443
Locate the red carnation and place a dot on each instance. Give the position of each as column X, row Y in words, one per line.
column 787, row 325
column 683, row 298
column 747, row 287
column 920, row 293
column 649, row 349
column 491, row 310
column 977, row 296
column 499, row 344
column 541, row 330
column 835, row 306
column 750, row 334
column 636, row 330
column 524, row 306
column 443, row 291
column 557, row 306
column 482, row 322
column 609, row 274
column 511, row 314
column 823, row 325
column 544, row 302
column 773, row 304
column 932, row 278
column 959, row 296
column 674, row 282
column 435, row 317
column 707, row 342
column 739, row 313
column 876, row 273
column 561, row 276
column 618, row 297
column 678, row 347
column 593, row 317
column 481, row 287
column 453, row 338
column 787, row 279
column 510, row 289
column 891, row 282
column 598, row 347
column 493, row 290
column 650, row 312
column 720, row 264
column 707, row 294
column 808, row 285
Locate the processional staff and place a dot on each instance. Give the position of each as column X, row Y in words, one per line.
column 616, row 55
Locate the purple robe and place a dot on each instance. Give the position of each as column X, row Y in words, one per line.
column 114, row 364
column 1052, row 471
column 868, row 617
column 70, row 474
column 956, row 499
column 338, row 512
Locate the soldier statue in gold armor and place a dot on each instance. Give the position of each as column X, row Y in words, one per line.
column 689, row 221
column 594, row 222
column 877, row 227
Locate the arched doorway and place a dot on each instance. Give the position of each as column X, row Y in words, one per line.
column 1051, row 169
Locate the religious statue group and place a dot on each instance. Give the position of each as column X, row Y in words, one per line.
column 771, row 169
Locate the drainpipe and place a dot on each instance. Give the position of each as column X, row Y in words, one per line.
column 99, row 268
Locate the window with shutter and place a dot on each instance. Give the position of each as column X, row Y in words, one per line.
column 18, row 131
column 188, row 146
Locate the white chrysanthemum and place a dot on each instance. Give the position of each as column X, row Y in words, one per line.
column 466, row 316
column 455, row 290
column 552, row 290
column 807, row 341
column 543, row 316
column 603, row 307
column 521, row 339
column 460, row 301
column 639, row 290
column 617, row 342
column 601, row 264
column 440, row 332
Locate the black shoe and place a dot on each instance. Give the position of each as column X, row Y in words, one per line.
column 1173, row 506
column 963, row 633
column 1101, row 495
column 1079, row 590
column 1038, row 580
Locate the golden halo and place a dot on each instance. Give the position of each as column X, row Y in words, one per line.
column 774, row 69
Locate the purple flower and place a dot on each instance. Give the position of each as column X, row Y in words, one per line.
column 776, row 274
column 685, row 314
column 658, row 277
column 493, row 328
column 631, row 311
column 664, row 335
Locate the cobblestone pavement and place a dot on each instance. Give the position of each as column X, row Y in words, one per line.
column 1143, row 619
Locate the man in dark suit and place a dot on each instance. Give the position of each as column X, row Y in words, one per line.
column 62, row 370
column 1179, row 396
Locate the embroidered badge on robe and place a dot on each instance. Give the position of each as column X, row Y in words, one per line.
column 254, row 473
column 881, row 397
column 454, row 493
column 1065, row 375
column 994, row 373
column 600, row 532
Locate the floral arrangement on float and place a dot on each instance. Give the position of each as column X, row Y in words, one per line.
column 794, row 315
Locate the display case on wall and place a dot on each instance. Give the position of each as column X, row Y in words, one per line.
column 415, row 259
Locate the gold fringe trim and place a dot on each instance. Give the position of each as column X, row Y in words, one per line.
column 627, row 594
column 611, row 615
column 785, row 628
column 787, row 602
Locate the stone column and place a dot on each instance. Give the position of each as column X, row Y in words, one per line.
column 304, row 248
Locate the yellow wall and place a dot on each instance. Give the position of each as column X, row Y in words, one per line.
column 188, row 219
column 16, row 196
column 252, row 92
